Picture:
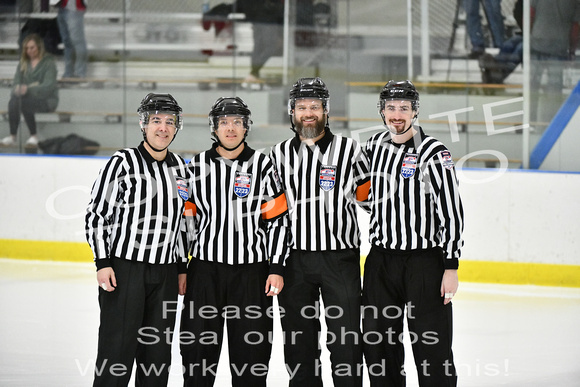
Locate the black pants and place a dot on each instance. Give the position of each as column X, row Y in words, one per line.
column 28, row 106
column 392, row 283
column 336, row 276
column 135, row 323
column 216, row 294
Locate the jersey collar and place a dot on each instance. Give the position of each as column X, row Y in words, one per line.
column 169, row 157
column 323, row 143
column 414, row 141
column 246, row 154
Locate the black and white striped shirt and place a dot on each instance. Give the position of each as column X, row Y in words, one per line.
column 239, row 208
column 323, row 183
column 136, row 209
column 414, row 196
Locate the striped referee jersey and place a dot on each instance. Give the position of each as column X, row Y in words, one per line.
column 136, row 209
column 323, row 184
column 414, row 196
column 239, row 210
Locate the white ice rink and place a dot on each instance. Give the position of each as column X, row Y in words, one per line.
column 520, row 336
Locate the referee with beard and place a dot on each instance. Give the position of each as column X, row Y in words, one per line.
column 324, row 176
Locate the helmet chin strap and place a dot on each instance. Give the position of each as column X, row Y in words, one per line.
column 216, row 139
column 151, row 146
column 292, row 126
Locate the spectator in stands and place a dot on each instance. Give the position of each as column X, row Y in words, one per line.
column 553, row 41
column 268, row 20
column 71, row 24
column 473, row 23
column 497, row 69
column 35, row 89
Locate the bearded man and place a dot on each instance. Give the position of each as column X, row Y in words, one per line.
column 324, row 177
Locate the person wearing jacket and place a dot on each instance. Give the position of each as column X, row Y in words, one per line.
column 35, row 89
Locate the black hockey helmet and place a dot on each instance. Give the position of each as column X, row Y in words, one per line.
column 399, row 90
column 159, row 103
column 229, row 106
column 309, row 88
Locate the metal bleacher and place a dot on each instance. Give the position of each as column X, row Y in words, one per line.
column 131, row 58
column 134, row 35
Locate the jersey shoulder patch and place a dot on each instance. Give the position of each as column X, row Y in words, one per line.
column 446, row 159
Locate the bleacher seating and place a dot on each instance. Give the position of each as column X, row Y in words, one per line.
column 129, row 59
column 119, row 36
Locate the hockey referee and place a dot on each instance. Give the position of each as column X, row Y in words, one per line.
column 135, row 227
column 324, row 176
column 239, row 247
column 415, row 237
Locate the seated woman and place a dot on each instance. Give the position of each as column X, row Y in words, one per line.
column 35, row 89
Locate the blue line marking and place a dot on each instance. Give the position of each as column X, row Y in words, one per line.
column 555, row 129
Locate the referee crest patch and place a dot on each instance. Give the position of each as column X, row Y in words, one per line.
column 242, row 184
column 182, row 188
column 447, row 160
column 327, row 177
column 409, row 165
